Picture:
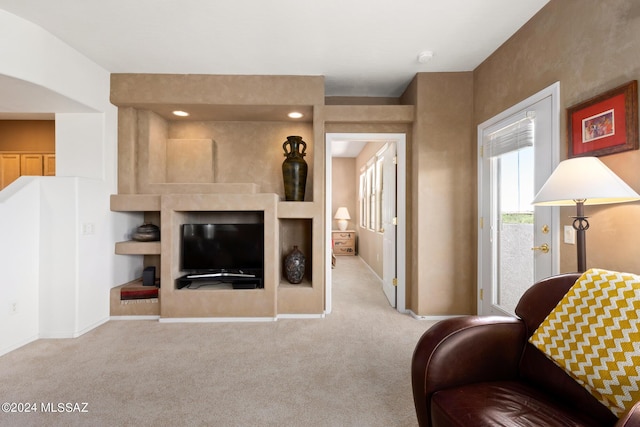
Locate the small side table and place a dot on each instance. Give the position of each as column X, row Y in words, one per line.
column 344, row 242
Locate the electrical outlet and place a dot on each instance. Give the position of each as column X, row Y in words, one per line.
column 569, row 235
column 13, row 307
column 88, row 228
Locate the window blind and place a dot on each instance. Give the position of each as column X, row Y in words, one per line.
column 512, row 137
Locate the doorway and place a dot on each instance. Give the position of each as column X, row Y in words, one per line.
column 517, row 242
column 334, row 140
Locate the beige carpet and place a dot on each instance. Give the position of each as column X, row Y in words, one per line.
column 351, row 368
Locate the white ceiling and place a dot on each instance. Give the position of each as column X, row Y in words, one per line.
column 347, row 148
column 362, row 47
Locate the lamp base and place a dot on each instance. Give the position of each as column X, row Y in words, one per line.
column 342, row 224
column 581, row 225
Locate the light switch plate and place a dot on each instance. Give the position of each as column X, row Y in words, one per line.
column 569, row 235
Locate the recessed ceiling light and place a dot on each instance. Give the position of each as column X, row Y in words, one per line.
column 296, row 115
column 180, row 113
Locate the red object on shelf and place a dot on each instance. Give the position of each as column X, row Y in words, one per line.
column 136, row 290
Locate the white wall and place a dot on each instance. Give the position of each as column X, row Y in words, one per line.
column 19, row 274
column 60, row 274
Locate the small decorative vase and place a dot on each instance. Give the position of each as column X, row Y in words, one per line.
column 294, row 266
column 146, row 233
column 294, row 169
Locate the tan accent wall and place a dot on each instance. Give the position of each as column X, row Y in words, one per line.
column 357, row 100
column 249, row 152
column 442, row 185
column 239, row 125
column 244, row 119
column 180, row 209
column 344, row 189
column 589, row 46
column 165, row 92
column 369, row 241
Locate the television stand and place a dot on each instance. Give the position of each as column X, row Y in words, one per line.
column 242, row 279
column 222, row 274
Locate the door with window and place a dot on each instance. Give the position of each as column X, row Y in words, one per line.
column 387, row 174
column 517, row 242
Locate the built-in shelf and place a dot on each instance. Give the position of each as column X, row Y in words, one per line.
column 138, row 248
column 304, row 284
column 133, row 307
column 299, row 299
column 296, row 209
column 135, row 202
column 292, row 223
column 178, row 209
column 243, row 124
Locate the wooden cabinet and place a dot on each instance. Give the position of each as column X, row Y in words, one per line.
column 344, row 242
column 31, row 164
column 49, row 164
column 9, row 169
column 16, row 164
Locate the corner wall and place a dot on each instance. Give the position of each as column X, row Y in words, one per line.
column 589, row 46
column 442, row 257
column 62, row 258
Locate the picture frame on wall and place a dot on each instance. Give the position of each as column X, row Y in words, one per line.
column 605, row 124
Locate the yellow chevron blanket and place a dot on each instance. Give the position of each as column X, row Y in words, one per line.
column 593, row 334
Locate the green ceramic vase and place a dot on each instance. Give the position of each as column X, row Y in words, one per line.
column 294, row 168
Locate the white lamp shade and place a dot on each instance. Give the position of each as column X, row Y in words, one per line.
column 342, row 213
column 584, row 178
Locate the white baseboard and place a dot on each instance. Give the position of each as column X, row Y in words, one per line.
column 17, row 345
column 215, row 319
column 91, row 327
column 219, row 319
column 300, row 316
column 149, row 317
column 433, row 318
column 65, row 334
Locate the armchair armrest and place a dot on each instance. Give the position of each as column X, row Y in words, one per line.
column 631, row 418
column 464, row 350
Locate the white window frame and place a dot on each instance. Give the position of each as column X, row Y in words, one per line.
column 370, row 194
column 362, row 199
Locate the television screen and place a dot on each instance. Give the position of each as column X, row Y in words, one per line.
column 214, row 247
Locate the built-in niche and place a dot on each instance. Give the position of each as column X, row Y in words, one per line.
column 152, row 260
column 216, row 217
column 210, row 156
column 178, row 209
column 296, row 232
column 238, row 125
column 189, row 160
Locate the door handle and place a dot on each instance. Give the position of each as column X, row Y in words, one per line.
column 544, row 248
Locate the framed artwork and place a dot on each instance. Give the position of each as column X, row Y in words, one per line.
column 605, row 124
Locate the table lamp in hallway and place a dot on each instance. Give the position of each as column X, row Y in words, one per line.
column 342, row 215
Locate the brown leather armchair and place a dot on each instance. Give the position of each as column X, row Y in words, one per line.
column 481, row 371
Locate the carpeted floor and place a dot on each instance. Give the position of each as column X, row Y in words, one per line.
column 351, row 368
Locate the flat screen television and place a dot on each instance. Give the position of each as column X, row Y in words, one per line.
column 222, row 247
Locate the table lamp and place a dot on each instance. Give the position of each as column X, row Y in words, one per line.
column 583, row 181
column 342, row 215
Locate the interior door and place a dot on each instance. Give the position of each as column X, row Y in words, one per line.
column 388, row 221
column 517, row 242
